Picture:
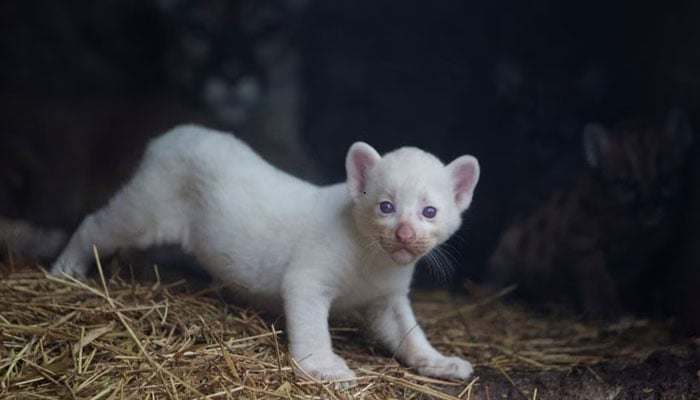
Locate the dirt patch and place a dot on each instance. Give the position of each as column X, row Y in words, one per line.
column 663, row 375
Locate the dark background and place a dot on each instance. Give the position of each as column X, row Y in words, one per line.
column 84, row 84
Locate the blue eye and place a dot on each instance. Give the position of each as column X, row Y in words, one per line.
column 429, row 212
column 386, row 207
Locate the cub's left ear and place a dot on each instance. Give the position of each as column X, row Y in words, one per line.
column 360, row 160
column 464, row 172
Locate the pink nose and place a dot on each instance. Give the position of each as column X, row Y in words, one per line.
column 405, row 233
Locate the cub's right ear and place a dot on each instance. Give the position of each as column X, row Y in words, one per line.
column 360, row 160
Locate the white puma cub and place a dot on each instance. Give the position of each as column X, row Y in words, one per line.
column 290, row 245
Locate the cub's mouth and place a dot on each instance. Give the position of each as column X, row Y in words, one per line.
column 404, row 253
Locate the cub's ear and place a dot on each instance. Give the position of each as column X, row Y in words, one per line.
column 464, row 172
column 359, row 161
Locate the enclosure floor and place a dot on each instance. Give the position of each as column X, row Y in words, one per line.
column 115, row 339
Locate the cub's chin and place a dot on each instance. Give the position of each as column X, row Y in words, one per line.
column 402, row 256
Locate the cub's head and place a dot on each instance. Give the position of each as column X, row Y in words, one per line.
column 408, row 201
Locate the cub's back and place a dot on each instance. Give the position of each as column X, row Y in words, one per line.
column 189, row 146
column 201, row 160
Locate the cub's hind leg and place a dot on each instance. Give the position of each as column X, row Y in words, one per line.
column 142, row 214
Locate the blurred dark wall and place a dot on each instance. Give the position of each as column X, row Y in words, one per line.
column 84, row 84
column 511, row 82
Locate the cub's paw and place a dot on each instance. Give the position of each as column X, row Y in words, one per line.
column 445, row 368
column 325, row 369
column 61, row 267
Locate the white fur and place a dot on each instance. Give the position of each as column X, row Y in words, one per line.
column 284, row 243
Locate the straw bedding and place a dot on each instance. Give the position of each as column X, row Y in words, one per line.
column 114, row 338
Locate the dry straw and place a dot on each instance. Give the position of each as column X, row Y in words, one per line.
column 113, row 338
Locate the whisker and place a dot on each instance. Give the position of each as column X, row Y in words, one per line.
column 433, row 263
column 365, row 253
column 451, row 247
column 449, row 263
column 442, row 261
column 445, row 267
column 369, row 253
column 445, row 251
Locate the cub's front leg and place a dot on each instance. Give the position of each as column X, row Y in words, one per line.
column 307, row 309
column 391, row 320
